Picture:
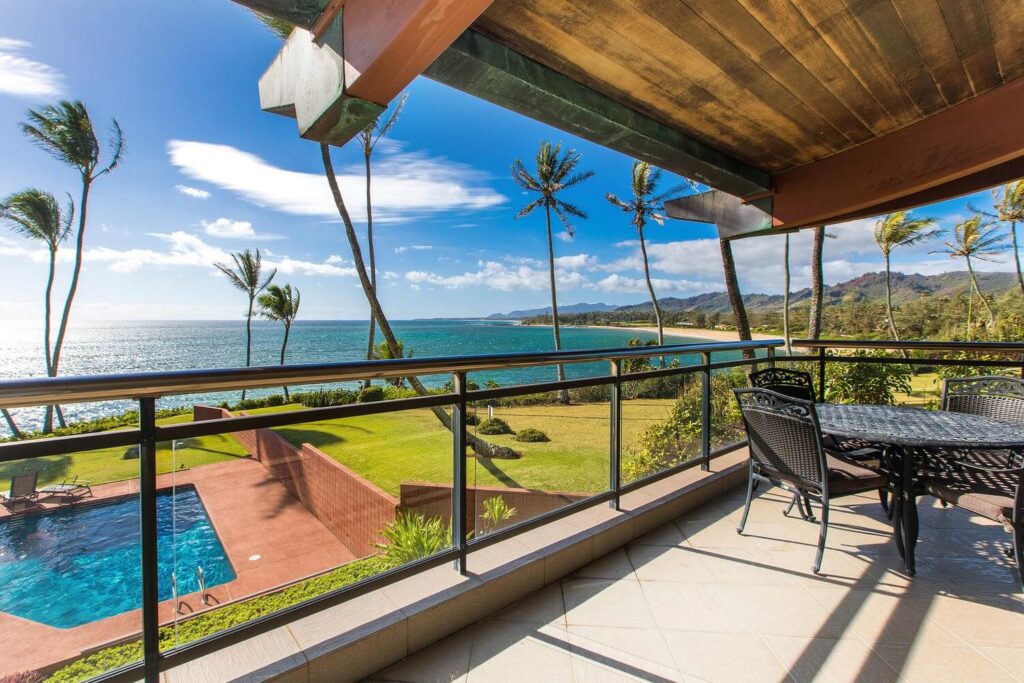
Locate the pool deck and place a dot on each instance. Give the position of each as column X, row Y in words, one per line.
column 253, row 514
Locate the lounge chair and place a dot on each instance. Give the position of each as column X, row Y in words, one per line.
column 23, row 492
column 69, row 488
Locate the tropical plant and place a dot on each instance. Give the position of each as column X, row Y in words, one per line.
column 530, row 435
column 413, row 536
column 35, row 214
column 493, row 426
column 974, row 240
column 1008, row 203
column 282, row 305
column 555, row 172
column 247, row 276
column 865, row 382
column 496, row 512
column 370, row 394
column 478, row 445
column 732, row 287
column 65, row 132
column 899, row 229
column 369, row 137
column 644, row 206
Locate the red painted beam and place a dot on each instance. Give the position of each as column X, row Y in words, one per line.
column 388, row 43
column 974, row 145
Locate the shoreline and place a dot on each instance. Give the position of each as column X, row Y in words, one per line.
column 691, row 332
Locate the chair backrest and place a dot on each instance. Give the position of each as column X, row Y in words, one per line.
column 1000, row 398
column 792, row 383
column 23, row 485
column 783, row 436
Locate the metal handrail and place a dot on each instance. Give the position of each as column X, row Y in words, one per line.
column 892, row 345
column 47, row 390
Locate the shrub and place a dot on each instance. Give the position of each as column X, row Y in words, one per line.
column 496, row 511
column 866, row 382
column 21, row 677
column 595, row 394
column 323, row 398
column 413, row 536
column 531, row 435
column 493, row 426
column 472, row 418
column 370, row 394
column 274, row 400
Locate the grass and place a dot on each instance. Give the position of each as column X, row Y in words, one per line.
column 925, row 391
column 390, row 448
column 220, row 619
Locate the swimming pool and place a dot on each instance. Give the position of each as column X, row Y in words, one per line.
column 79, row 564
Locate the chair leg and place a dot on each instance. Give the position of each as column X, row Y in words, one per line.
column 746, row 508
column 883, row 497
column 821, row 536
column 1018, row 551
column 809, row 510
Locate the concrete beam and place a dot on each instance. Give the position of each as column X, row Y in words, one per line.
column 733, row 218
column 963, row 149
column 482, row 67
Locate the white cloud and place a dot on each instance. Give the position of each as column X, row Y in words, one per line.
column 193, row 192
column 620, row 284
column 415, row 247
column 225, row 228
column 406, row 185
column 335, row 259
column 23, row 77
column 495, row 275
column 577, row 262
column 564, row 236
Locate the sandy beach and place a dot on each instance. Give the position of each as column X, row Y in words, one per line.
column 692, row 332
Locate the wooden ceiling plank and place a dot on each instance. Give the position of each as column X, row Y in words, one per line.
column 603, row 67
column 837, row 26
column 1006, row 19
column 969, row 28
column 613, row 33
column 926, row 26
column 781, row 19
column 483, row 67
column 731, row 72
column 748, row 35
column 884, row 27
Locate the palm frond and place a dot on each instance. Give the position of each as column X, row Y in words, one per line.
column 36, row 214
column 529, row 208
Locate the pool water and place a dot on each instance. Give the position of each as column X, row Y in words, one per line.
column 80, row 564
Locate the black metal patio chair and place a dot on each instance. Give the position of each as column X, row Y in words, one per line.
column 784, row 439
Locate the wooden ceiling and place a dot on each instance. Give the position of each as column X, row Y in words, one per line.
column 776, row 83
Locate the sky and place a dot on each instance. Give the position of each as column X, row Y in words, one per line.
column 206, row 173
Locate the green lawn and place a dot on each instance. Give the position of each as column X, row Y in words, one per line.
column 925, row 391
column 111, row 464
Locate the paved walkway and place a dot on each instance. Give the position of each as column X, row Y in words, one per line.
column 695, row 601
column 269, row 537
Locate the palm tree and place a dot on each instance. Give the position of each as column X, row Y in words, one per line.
column 37, row 215
column 973, row 239
column 65, row 131
column 646, row 205
column 369, row 137
column 899, row 229
column 247, row 276
column 281, row 304
column 555, row 172
column 395, row 348
column 732, row 287
column 1008, row 202
column 785, row 297
column 817, row 282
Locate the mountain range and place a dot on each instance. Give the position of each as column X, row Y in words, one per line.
column 863, row 288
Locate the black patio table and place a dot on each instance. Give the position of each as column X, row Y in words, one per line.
column 913, row 437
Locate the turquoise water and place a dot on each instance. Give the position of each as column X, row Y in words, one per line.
column 80, row 564
column 125, row 347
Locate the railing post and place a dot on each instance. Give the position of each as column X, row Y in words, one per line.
column 615, row 448
column 821, row 374
column 459, row 471
column 770, row 353
column 148, row 533
column 705, row 412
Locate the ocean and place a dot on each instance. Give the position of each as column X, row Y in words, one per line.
column 140, row 346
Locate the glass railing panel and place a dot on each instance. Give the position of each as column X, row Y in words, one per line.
column 661, row 426
column 726, row 422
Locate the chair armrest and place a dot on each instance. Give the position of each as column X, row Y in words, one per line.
column 989, row 470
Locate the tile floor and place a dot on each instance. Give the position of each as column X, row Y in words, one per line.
column 693, row 600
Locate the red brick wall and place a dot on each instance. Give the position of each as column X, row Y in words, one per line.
column 435, row 500
column 353, row 509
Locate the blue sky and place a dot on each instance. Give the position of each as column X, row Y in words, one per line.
column 207, row 173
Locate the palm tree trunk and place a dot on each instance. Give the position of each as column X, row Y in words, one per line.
column 248, row 338
column 1016, row 255
column 981, row 295
column 732, row 286
column 817, row 285
column 970, row 305
column 83, row 209
column 654, row 299
column 15, row 432
column 48, row 419
column 479, row 445
column 888, row 305
column 284, row 345
column 563, row 395
column 370, row 342
column 785, row 298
